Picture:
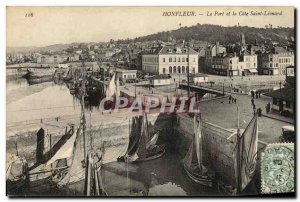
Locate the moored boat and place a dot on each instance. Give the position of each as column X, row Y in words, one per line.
column 193, row 164
column 143, row 147
column 16, row 174
column 39, row 75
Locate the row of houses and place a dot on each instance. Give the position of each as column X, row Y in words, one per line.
column 216, row 60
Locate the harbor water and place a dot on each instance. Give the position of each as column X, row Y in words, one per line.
column 161, row 177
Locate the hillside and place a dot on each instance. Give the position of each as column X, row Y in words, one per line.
column 225, row 35
column 206, row 32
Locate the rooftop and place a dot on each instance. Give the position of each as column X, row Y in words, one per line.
column 284, row 94
column 161, row 77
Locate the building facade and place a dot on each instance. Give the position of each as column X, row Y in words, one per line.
column 275, row 63
column 232, row 65
column 51, row 59
column 170, row 60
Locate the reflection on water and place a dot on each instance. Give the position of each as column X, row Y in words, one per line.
column 161, row 177
column 15, row 83
column 52, row 101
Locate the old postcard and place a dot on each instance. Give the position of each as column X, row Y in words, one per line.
column 150, row 101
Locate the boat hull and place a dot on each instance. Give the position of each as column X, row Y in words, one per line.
column 198, row 178
column 157, row 155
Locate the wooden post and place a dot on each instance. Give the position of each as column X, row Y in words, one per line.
column 188, row 70
column 50, row 142
column 88, row 180
column 238, row 158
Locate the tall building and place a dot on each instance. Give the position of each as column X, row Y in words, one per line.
column 275, row 62
column 170, row 60
column 210, row 52
column 233, row 65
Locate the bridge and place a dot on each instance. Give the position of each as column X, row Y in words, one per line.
column 202, row 90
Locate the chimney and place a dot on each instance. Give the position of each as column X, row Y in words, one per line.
column 251, row 51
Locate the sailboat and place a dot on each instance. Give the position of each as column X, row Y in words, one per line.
column 112, row 91
column 193, row 163
column 142, row 146
column 83, row 170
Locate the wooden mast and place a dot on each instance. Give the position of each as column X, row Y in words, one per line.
column 83, row 121
column 188, row 70
column 238, row 158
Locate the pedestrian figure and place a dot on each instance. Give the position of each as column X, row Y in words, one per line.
column 259, row 94
column 254, row 109
column 252, row 101
column 256, row 94
column 234, row 100
column 229, row 99
column 252, row 94
column 259, row 112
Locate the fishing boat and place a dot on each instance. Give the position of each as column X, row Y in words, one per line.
column 21, row 72
column 143, row 147
column 16, row 174
column 42, row 172
column 193, row 163
column 84, row 174
column 39, row 75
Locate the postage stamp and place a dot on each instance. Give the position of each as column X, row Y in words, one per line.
column 277, row 168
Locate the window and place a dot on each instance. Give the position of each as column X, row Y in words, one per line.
column 187, row 59
column 183, row 69
column 170, row 59
column 174, row 70
column 178, row 59
column 164, row 70
column 183, row 59
column 174, row 59
column 164, row 59
column 178, row 69
column 124, row 76
column 170, row 70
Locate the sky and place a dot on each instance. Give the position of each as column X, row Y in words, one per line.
column 54, row 25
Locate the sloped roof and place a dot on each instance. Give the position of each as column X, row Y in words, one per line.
column 284, row 94
column 176, row 50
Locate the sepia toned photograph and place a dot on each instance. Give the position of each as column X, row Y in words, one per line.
column 152, row 101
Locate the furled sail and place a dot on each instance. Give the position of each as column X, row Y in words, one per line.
column 197, row 128
column 111, row 90
column 65, row 151
column 141, row 146
column 194, row 154
column 152, row 141
column 193, row 163
column 144, row 138
column 248, row 152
